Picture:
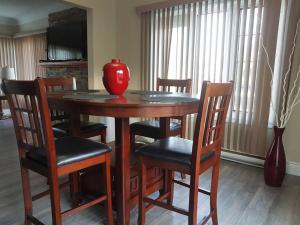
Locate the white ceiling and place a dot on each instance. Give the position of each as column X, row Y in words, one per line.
column 18, row 12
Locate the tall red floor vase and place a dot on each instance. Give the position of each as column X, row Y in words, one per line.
column 275, row 163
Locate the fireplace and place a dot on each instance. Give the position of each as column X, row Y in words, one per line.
column 78, row 68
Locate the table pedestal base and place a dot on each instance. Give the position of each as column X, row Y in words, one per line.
column 90, row 186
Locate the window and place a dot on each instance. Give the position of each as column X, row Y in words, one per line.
column 217, row 40
column 211, row 45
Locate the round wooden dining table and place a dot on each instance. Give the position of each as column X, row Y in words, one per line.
column 123, row 107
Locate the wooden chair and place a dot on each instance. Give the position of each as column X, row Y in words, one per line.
column 151, row 128
column 39, row 152
column 61, row 124
column 190, row 157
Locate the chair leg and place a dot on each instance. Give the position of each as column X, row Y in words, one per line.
column 74, row 188
column 27, row 194
column 183, row 127
column 108, row 191
column 164, row 189
column 193, row 199
column 55, row 201
column 214, row 192
column 183, row 135
column 103, row 136
column 142, row 193
column 170, row 187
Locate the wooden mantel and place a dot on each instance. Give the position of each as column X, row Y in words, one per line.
column 63, row 64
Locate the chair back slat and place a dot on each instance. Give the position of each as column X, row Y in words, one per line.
column 59, row 84
column 36, row 120
column 32, row 125
column 179, row 86
column 20, row 102
column 211, row 118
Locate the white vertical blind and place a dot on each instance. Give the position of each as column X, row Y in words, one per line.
column 23, row 54
column 217, row 40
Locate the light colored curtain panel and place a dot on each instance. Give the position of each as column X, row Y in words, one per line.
column 29, row 50
column 7, row 52
column 218, row 40
column 7, row 57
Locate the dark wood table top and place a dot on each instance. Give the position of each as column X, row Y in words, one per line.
column 131, row 104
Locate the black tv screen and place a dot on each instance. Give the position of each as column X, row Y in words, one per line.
column 67, row 41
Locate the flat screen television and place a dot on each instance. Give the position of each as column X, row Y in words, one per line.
column 67, row 41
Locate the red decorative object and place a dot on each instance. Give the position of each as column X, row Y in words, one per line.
column 115, row 77
column 275, row 163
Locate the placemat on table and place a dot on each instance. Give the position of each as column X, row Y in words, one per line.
column 169, row 99
column 90, row 97
column 76, row 91
column 150, row 92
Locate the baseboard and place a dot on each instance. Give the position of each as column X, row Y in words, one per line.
column 247, row 160
column 292, row 168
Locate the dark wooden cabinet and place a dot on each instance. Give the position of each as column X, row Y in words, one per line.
column 90, row 181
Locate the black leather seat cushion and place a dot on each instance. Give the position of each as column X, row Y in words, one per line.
column 84, row 126
column 172, row 149
column 152, row 126
column 70, row 150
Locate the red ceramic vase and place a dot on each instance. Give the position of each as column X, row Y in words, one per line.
column 275, row 164
column 116, row 77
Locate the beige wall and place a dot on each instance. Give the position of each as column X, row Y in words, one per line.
column 129, row 37
column 291, row 137
column 292, row 133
